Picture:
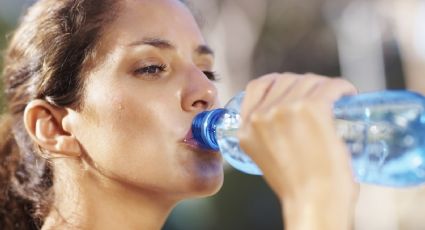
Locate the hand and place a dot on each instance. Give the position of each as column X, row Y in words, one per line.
column 288, row 130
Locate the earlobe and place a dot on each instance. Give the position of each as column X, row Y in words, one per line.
column 68, row 145
column 43, row 122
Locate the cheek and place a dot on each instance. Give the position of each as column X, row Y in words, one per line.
column 122, row 136
column 133, row 135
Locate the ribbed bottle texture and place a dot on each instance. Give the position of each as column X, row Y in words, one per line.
column 384, row 132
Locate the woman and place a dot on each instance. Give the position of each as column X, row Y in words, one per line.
column 101, row 95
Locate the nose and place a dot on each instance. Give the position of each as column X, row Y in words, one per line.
column 199, row 93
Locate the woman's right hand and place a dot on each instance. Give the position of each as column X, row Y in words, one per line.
column 288, row 130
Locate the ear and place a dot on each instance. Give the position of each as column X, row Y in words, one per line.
column 43, row 122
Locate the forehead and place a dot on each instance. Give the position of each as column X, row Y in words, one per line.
column 167, row 19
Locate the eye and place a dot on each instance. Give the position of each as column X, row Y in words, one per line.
column 151, row 70
column 211, row 75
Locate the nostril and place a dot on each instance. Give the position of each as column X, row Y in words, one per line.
column 200, row 104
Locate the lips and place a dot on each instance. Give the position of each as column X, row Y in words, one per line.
column 192, row 143
column 189, row 140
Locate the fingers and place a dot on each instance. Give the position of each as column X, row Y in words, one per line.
column 281, row 86
column 275, row 90
column 333, row 90
column 270, row 89
column 255, row 92
column 304, row 86
column 290, row 134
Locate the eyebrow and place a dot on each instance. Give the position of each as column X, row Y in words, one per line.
column 164, row 44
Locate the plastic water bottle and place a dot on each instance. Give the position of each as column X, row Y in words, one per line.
column 384, row 132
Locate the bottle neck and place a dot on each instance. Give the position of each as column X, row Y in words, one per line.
column 204, row 128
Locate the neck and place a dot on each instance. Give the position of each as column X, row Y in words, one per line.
column 89, row 200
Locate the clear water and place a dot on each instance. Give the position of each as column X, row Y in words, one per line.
column 229, row 144
column 226, row 129
column 386, row 141
column 385, row 133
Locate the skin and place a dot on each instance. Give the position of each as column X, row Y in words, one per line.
column 128, row 139
column 126, row 159
column 307, row 165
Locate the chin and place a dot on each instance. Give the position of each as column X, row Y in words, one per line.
column 203, row 187
column 203, row 172
column 206, row 179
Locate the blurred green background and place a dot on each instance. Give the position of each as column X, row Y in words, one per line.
column 375, row 44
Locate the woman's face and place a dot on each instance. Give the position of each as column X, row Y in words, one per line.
column 140, row 100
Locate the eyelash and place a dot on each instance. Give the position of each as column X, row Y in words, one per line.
column 157, row 69
column 151, row 69
column 211, row 75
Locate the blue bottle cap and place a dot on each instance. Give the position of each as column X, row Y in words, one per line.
column 204, row 128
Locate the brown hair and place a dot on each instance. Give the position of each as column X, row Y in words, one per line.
column 45, row 60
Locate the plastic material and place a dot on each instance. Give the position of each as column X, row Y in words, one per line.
column 384, row 132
